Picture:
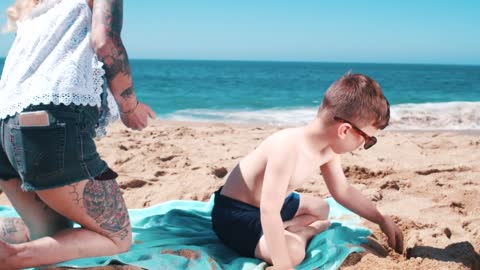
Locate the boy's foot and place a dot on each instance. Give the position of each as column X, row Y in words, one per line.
column 318, row 227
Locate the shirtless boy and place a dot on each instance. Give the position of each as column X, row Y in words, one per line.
column 258, row 214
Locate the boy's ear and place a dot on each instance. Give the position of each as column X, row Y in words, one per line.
column 343, row 130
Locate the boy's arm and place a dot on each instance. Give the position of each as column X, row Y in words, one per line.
column 354, row 200
column 275, row 184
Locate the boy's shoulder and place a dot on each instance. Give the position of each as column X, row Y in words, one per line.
column 282, row 141
column 285, row 135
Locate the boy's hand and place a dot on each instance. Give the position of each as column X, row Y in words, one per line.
column 394, row 234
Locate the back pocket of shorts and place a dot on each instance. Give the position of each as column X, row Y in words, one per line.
column 39, row 151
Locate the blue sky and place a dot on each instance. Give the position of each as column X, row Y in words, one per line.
column 406, row 31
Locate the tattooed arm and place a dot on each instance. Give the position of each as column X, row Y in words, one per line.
column 107, row 25
column 106, row 29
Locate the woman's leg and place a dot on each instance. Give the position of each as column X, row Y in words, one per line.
column 13, row 230
column 37, row 219
column 97, row 206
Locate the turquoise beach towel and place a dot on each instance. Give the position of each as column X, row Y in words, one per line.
column 177, row 235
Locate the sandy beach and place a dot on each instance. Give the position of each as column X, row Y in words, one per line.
column 428, row 181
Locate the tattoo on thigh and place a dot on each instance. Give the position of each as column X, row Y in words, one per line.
column 104, row 203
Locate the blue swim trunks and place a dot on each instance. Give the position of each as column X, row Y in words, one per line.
column 238, row 224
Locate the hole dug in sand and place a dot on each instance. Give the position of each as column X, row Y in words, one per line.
column 220, row 172
column 135, row 183
column 462, row 252
column 358, row 172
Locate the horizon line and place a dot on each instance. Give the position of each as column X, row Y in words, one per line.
column 299, row 61
column 308, row 61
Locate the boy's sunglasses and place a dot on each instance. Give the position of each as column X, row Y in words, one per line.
column 369, row 140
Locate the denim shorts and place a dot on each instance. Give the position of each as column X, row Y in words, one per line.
column 56, row 155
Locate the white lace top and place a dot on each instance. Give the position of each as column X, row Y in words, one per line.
column 51, row 60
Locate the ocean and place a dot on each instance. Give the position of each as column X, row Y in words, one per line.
column 423, row 97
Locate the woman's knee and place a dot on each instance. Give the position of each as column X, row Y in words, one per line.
column 123, row 242
column 119, row 233
column 123, row 245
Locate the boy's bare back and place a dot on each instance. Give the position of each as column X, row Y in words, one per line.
column 245, row 181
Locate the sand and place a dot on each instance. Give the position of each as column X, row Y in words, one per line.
column 429, row 181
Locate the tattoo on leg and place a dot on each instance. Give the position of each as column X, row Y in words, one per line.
column 77, row 198
column 9, row 226
column 104, row 203
column 12, row 230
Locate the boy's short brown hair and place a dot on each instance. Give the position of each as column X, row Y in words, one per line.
column 358, row 99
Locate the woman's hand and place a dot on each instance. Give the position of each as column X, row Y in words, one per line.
column 137, row 118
